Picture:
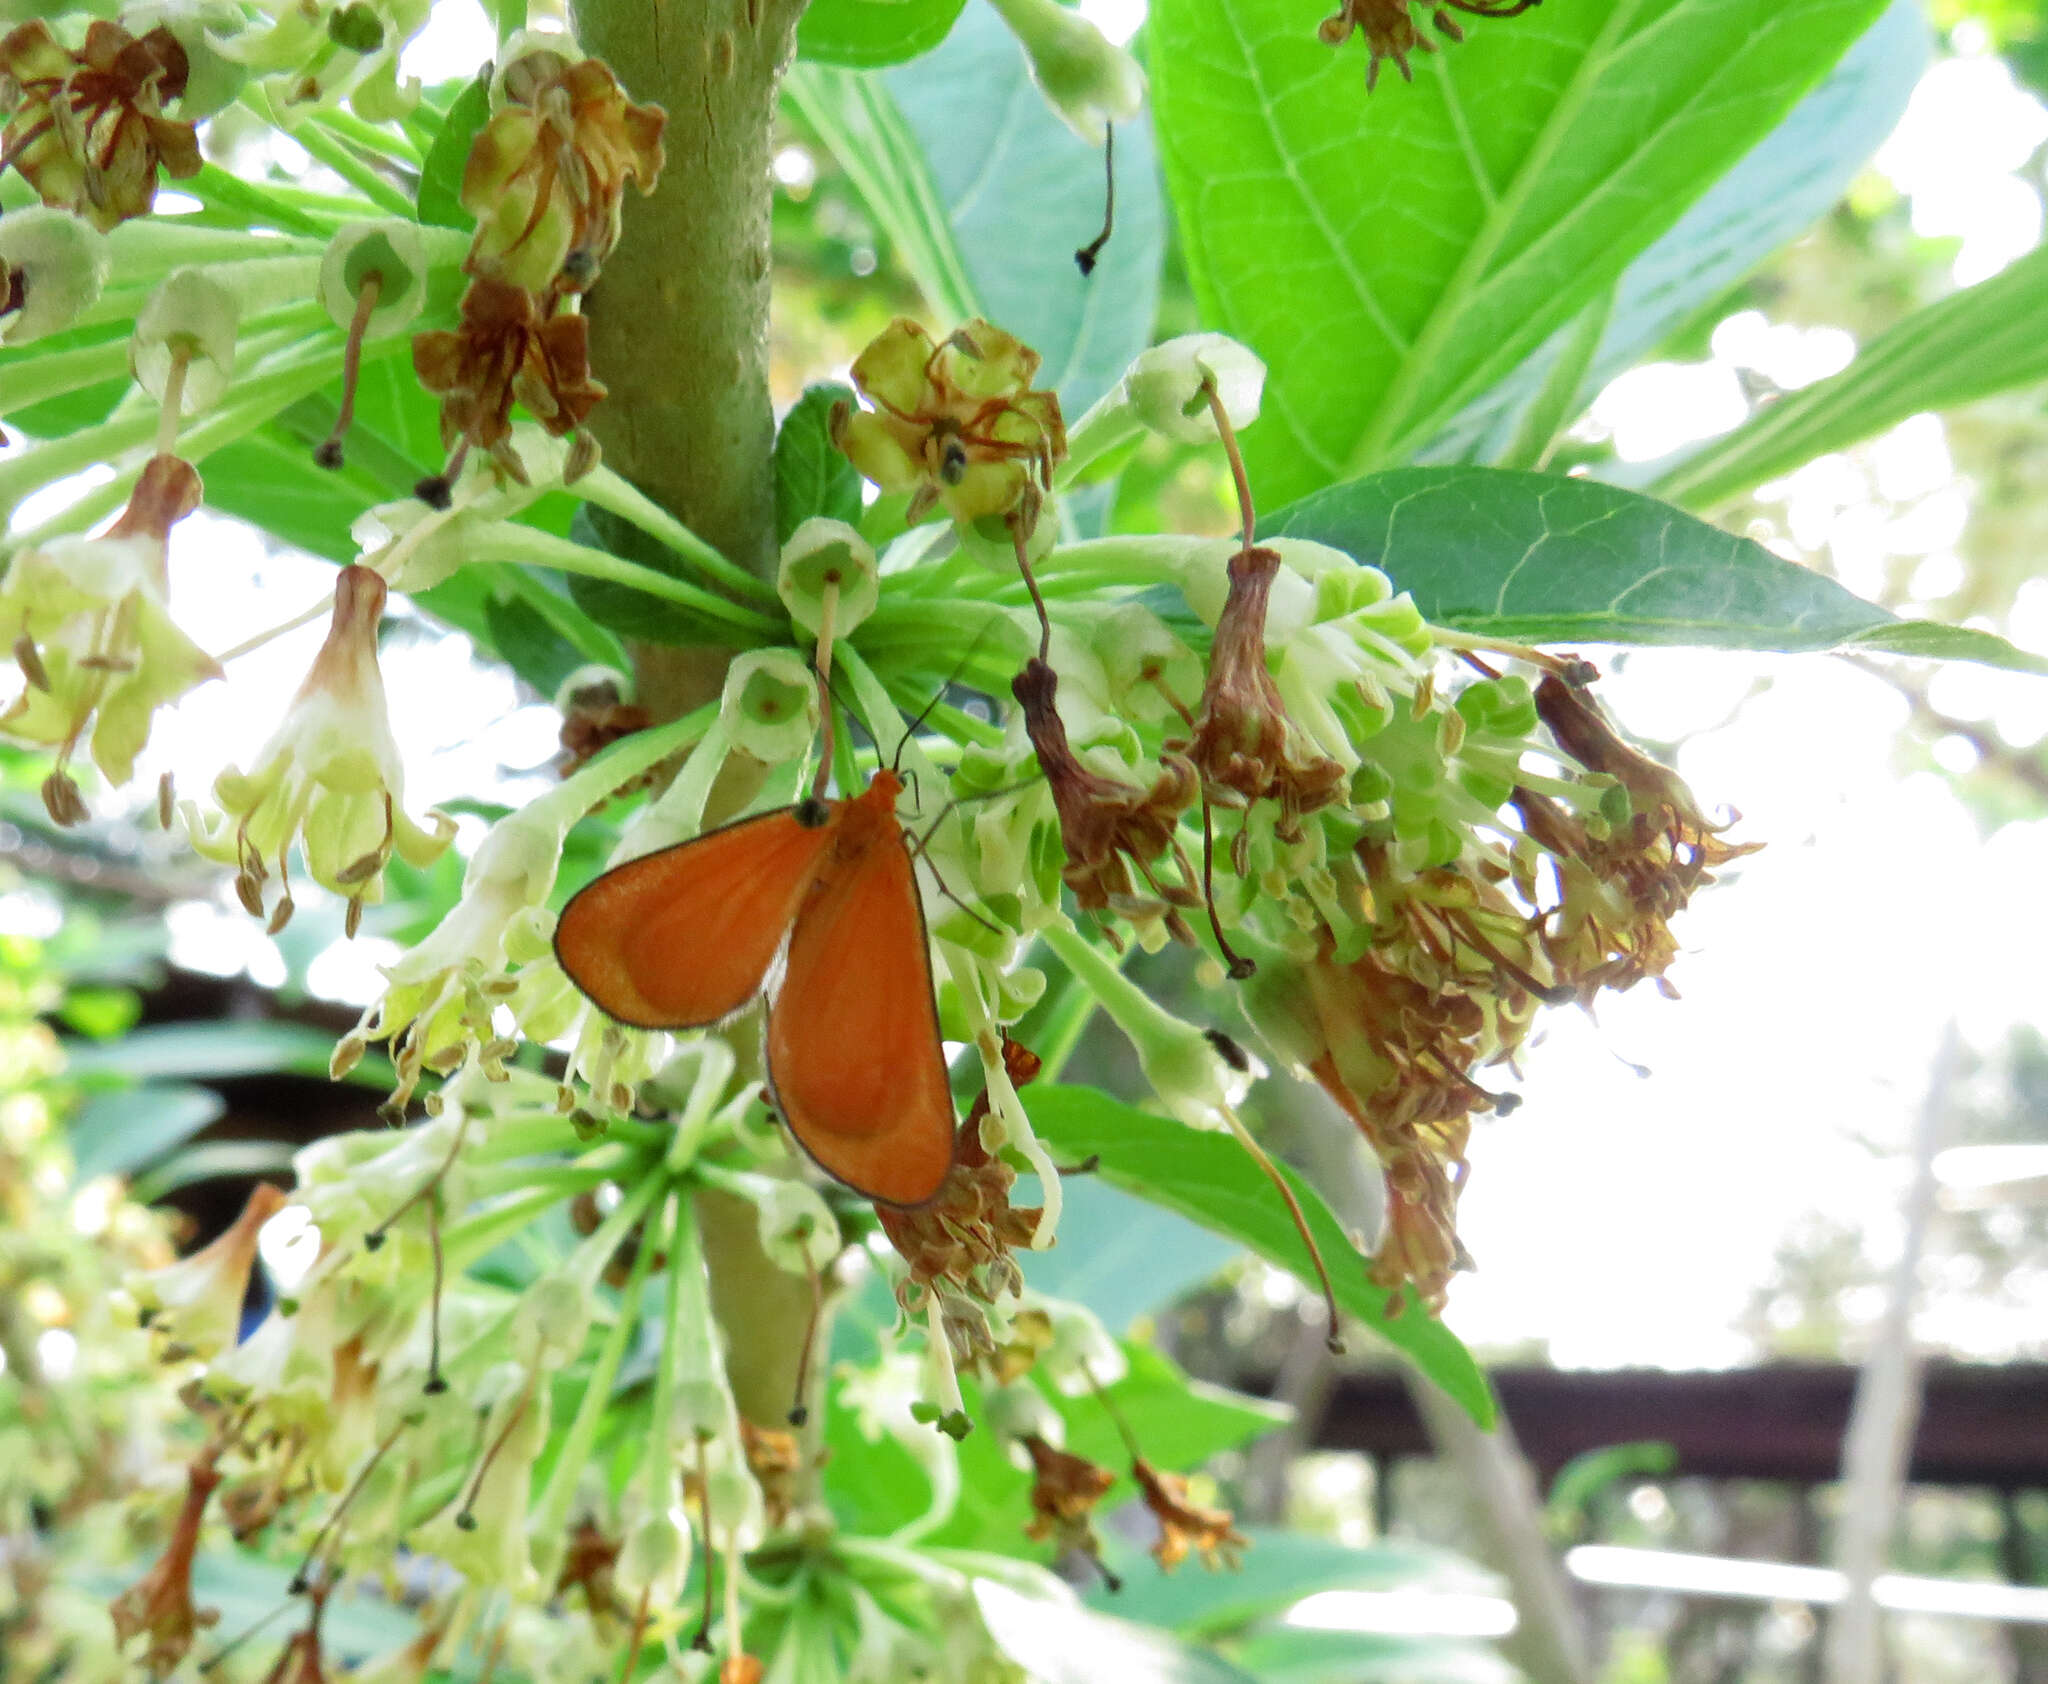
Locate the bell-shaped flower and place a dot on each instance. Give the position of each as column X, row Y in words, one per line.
column 330, row 779
column 1085, row 77
column 481, row 1532
column 159, row 1604
column 955, row 423
column 444, row 993
column 195, row 1305
column 52, row 266
column 91, row 632
column 87, row 129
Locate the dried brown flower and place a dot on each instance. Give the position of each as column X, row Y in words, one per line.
column 507, row 350
column 1245, row 747
column 1185, row 1524
column 1108, row 826
column 159, row 1604
column 87, row 128
column 1064, row 1491
column 1391, row 33
column 964, row 1236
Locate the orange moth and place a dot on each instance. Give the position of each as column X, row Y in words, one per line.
column 686, row 937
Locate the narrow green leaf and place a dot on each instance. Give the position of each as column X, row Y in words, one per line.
column 1281, row 1654
column 440, row 198
column 866, row 34
column 1788, row 182
column 1279, row 1570
column 210, row 1051
column 1208, row 1179
column 1059, row 1643
column 116, row 1133
column 212, row 1160
column 1536, row 558
column 811, row 476
column 1989, row 338
column 1393, row 256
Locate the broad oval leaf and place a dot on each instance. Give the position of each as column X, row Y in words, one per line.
column 812, row 476
column 1393, row 256
column 1208, row 1179
column 867, row 34
column 1538, row 558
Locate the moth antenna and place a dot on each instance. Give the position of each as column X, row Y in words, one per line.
column 1315, row 1252
column 1086, row 257
column 827, row 615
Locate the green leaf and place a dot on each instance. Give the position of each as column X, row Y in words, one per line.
column 440, row 196
column 212, row 1051
column 1304, row 1655
column 1122, row 1257
column 1208, row 1179
column 101, row 1013
column 622, row 608
column 1788, row 182
column 866, row 34
column 212, row 1160
column 1986, row 339
column 986, row 195
column 1180, row 1422
column 1393, row 256
column 1022, row 192
column 117, row 1132
column 529, row 642
column 1058, row 1643
column 1586, row 1475
column 1536, row 558
column 812, row 477
column 1278, row 1571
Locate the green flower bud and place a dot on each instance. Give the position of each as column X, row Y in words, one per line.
column 1020, row 1410
column 770, row 706
column 1085, row 77
column 60, row 262
column 396, row 255
column 798, row 1230
column 654, row 1561
column 822, row 553
column 190, row 315
column 1166, row 386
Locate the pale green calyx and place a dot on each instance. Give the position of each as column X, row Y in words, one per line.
column 61, row 262
column 191, row 319
column 822, row 555
column 390, row 253
column 1169, row 384
column 770, row 705
column 1085, row 77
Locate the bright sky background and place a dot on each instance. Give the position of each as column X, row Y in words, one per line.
column 1623, row 1218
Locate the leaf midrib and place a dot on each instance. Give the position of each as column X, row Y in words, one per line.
column 1448, row 310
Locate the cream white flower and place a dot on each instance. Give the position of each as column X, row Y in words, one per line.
column 330, row 779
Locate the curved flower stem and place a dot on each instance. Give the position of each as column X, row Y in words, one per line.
column 606, row 490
